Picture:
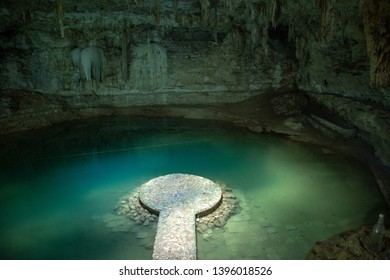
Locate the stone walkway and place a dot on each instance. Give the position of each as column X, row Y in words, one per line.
column 178, row 198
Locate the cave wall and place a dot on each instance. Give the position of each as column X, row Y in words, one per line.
column 210, row 54
column 220, row 45
column 159, row 52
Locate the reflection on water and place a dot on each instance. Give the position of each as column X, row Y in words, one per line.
column 58, row 188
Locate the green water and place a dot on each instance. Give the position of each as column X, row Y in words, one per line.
column 59, row 186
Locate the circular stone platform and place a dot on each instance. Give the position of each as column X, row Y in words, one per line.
column 130, row 207
column 178, row 198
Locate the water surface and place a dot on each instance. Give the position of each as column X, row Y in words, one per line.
column 59, row 186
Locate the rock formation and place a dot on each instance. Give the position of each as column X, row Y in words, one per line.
column 377, row 31
column 192, row 53
column 316, row 71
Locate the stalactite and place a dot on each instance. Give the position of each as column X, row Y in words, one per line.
column 92, row 62
column 224, row 4
column 254, row 35
column 157, row 11
column 205, row 4
column 324, row 5
column 301, row 52
column 125, row 56
column 261, row 9
column 252, row 11
column 291, row 34
column 327, row 20
column 175, row 5
column 60, row 16
column 31, row 10
column 31, row 13
column 230, row 6
column 376, row 18
column 128, row 5
column 214, row 4
column 276, row 12
column 264, row 42
column 239, row 39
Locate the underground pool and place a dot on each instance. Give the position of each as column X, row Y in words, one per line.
column 59, row 187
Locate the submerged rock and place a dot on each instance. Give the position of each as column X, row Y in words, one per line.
column 130, row 206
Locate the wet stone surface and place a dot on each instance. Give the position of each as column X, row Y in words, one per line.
column 178, row 198
column 129, row 207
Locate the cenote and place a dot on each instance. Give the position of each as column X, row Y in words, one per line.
column 59, row 186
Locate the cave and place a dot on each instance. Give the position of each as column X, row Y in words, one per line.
column 284, row 104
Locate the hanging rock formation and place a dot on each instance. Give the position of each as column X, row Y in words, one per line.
column 91, row 61
column 376, row 19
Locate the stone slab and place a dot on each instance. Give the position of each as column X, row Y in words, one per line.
column 178, row 198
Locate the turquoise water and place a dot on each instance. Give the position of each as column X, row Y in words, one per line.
column 59, row 186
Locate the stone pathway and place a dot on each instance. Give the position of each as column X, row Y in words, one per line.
column 178, row 198
column 130, row 207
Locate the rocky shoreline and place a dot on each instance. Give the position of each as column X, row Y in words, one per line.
column 350, row 245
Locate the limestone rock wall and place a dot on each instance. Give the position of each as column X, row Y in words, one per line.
column 377, row 31
column 317, row 46
column 160, row 52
